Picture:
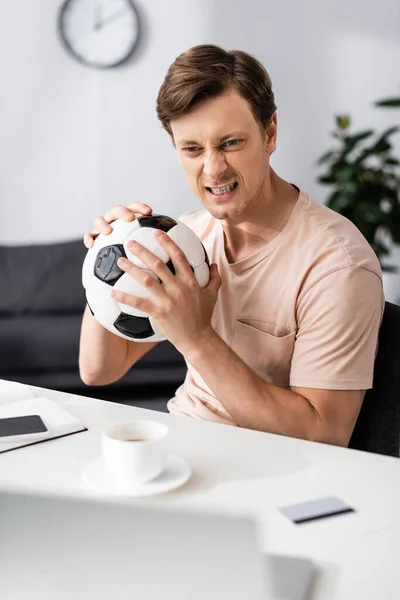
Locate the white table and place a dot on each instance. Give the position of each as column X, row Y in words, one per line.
column 239, row 470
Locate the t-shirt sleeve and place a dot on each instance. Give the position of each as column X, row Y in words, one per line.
column 338, row 325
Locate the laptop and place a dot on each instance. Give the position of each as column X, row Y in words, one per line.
column 59, row 548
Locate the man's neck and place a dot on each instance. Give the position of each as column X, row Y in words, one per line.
column 264, row 223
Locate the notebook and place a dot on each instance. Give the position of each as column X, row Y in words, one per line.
column 58, row 421
column 12, row 390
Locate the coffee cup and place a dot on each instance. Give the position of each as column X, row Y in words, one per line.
column 133, row 453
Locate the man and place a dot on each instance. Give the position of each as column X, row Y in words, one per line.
column 284, row 337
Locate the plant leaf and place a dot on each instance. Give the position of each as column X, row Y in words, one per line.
column 392, row 161
column 326, row 179
column 390, row 131
column 382, row 144
column 357, row 137
column 325, row 157
column 389, row 103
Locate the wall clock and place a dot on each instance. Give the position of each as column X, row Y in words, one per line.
column 99, row 33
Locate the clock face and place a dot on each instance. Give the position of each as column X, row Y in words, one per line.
column 99, row 33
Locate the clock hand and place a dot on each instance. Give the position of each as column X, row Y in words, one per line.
column 97, row 17
column 111, row 18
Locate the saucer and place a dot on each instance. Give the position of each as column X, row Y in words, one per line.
column 175, row 474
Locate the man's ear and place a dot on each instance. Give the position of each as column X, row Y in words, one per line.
column 271, row 134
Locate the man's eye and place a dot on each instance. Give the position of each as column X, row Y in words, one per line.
column 231, row 143
column 192, row 149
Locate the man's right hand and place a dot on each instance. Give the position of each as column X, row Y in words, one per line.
column 125, row 213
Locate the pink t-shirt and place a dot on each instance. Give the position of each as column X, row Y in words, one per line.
column 302, row 311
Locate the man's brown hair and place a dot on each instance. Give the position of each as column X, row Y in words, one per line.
column 206, row 71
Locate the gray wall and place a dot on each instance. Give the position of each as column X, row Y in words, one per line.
column 75, row 141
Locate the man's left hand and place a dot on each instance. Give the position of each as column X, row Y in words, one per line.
column 180, row 307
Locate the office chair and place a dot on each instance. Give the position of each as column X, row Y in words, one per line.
column 378, row 425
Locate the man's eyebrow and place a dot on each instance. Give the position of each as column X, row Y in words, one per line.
column 232, row 135
column 187, row 143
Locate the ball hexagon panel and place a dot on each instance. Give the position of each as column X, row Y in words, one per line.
column 98, row 295
column 191, row 246
column 202, row 274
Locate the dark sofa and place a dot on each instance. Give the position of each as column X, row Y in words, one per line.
column 41, row 306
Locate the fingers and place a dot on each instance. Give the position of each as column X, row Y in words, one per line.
column 154, row 264
column 179, row 260
column 125, row 213
column 215, row 279
column 88, row 240
column 141, row 276
column 139, row 207
column 101, row 225
column 143, row 304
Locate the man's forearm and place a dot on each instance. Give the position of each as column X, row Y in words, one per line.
column 251, row 401
column 101, row 354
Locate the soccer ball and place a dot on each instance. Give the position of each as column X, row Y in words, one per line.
column 100, row 272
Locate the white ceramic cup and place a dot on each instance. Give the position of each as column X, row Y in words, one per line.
column 133, row 453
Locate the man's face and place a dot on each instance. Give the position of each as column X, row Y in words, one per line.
column 225, row 154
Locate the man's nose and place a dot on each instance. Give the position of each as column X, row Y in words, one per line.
column 214, row 165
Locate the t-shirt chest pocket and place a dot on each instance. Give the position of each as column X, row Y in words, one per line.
column 266, row 348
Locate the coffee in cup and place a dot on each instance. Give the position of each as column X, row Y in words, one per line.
column 133, row 453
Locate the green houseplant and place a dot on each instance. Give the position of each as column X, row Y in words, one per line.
column 364, row 176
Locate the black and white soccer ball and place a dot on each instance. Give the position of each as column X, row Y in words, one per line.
column 100, row 273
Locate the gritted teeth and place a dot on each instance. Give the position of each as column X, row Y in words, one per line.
column 223, row 190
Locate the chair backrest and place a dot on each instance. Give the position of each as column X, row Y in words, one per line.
column 378, row 424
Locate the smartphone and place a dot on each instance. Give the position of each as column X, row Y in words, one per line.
column 16, row 428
